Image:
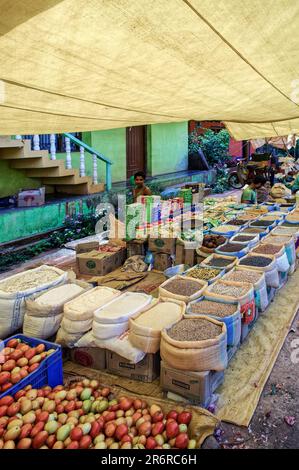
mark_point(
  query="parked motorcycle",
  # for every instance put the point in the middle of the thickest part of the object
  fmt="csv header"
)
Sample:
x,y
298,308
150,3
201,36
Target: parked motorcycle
x,y
246,171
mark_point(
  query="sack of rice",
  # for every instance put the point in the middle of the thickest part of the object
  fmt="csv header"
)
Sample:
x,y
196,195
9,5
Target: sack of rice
x,y
65,339
14,290
113,318
41,327
197,343
145,327
182,288
84,306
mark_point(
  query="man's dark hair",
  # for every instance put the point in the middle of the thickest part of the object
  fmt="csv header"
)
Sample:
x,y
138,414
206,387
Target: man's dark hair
x,y
139,173
259,179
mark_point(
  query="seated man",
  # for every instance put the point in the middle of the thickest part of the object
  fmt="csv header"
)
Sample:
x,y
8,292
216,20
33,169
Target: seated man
x,y
263,193
249,195
141,189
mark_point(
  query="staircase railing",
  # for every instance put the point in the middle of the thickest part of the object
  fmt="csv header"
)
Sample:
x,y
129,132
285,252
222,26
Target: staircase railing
x,y
71,141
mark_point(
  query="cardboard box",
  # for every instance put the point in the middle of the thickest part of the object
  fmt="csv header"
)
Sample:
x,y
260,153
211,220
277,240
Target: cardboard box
x,y
146,370
190,257
179,254
197,386
162,261
162,245
86,247
95,358
31,197
96,263
136,247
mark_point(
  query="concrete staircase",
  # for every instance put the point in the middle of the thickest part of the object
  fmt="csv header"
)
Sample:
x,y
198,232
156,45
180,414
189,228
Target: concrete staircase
x,y
52,173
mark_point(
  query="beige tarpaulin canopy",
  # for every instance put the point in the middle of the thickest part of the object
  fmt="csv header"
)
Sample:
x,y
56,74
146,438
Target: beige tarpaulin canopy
x,y
75,65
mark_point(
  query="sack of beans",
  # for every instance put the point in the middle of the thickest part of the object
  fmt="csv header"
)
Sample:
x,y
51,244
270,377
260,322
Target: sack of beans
x,y
265,263
238,292
257,278
287,241
249,239
226,230
233,249
220,261
182,288
197,343
205,273
226,312
145,327
278,250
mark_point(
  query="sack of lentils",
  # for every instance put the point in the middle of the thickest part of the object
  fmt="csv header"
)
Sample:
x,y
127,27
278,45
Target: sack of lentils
x,y
235,249
229,313
197,343
287,241
265,263
238,292
182,288
205,273
220,261
278,251
257,278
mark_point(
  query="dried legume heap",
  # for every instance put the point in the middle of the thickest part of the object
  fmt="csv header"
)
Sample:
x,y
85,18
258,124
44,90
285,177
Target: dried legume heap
x,y
194,330
232,291
182,287
232,247
268,249
209,307
244,276
221,262
203,273
29,280
259,261
225,228
252,230
244,238
262,223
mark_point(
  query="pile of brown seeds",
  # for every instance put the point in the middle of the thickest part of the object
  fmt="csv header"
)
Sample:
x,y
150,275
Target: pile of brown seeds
x,y
258,261
232,247
182,287
244,276
244,238
220,262
194,330
252,230
208,307
268,249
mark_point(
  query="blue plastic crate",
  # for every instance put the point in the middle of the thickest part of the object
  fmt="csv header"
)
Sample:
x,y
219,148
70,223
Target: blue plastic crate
x,y
50,371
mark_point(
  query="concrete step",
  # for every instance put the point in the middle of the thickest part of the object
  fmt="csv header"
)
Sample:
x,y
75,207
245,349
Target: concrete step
x,y
36,162
81,189
7,142
66,180
50,172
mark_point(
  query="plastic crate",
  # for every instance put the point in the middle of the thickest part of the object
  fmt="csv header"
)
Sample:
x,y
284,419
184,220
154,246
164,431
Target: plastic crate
x,y
50,371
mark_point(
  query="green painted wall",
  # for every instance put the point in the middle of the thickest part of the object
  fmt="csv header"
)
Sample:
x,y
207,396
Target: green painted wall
x,y
11,180
167,148
112,144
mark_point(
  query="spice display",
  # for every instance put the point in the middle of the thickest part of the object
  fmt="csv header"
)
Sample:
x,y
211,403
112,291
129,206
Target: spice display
x,y
208,307
268,249
212,241
252,230
232,247
203,273
29,280
220,262
194,330
259,261
261,223
243,238
182,287
225,229
243,275
225,289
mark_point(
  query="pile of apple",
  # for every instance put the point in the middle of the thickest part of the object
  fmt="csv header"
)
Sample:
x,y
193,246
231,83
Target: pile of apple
x,y
85,416
17,360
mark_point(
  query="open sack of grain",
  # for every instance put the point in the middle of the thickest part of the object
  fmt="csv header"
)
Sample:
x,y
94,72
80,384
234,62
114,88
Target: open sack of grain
x,y
197,343
14,291
257,278
182,288
289,243
265,263
220,261
44,311
226,312
113,318
145,327
236,292
78,314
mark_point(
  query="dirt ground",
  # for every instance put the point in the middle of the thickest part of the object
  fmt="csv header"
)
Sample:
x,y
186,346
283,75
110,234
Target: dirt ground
x,y
279,404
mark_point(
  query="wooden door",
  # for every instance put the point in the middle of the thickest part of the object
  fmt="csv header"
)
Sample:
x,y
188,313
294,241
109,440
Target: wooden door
x,y
136,149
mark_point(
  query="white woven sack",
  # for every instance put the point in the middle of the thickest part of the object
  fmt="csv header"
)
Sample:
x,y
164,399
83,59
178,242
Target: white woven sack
x,y
283,263
76,327
41,327
12,304
120,309
110,330
66,339
84,306
121,346
86,341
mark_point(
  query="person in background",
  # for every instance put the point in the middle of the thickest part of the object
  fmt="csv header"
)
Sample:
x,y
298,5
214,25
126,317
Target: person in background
x,y
140,188
249,195
263,193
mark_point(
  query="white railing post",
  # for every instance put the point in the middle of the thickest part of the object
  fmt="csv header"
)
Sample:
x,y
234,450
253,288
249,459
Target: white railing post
x,y
53,146
18,137
36,142
82,161
68,162
95,169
